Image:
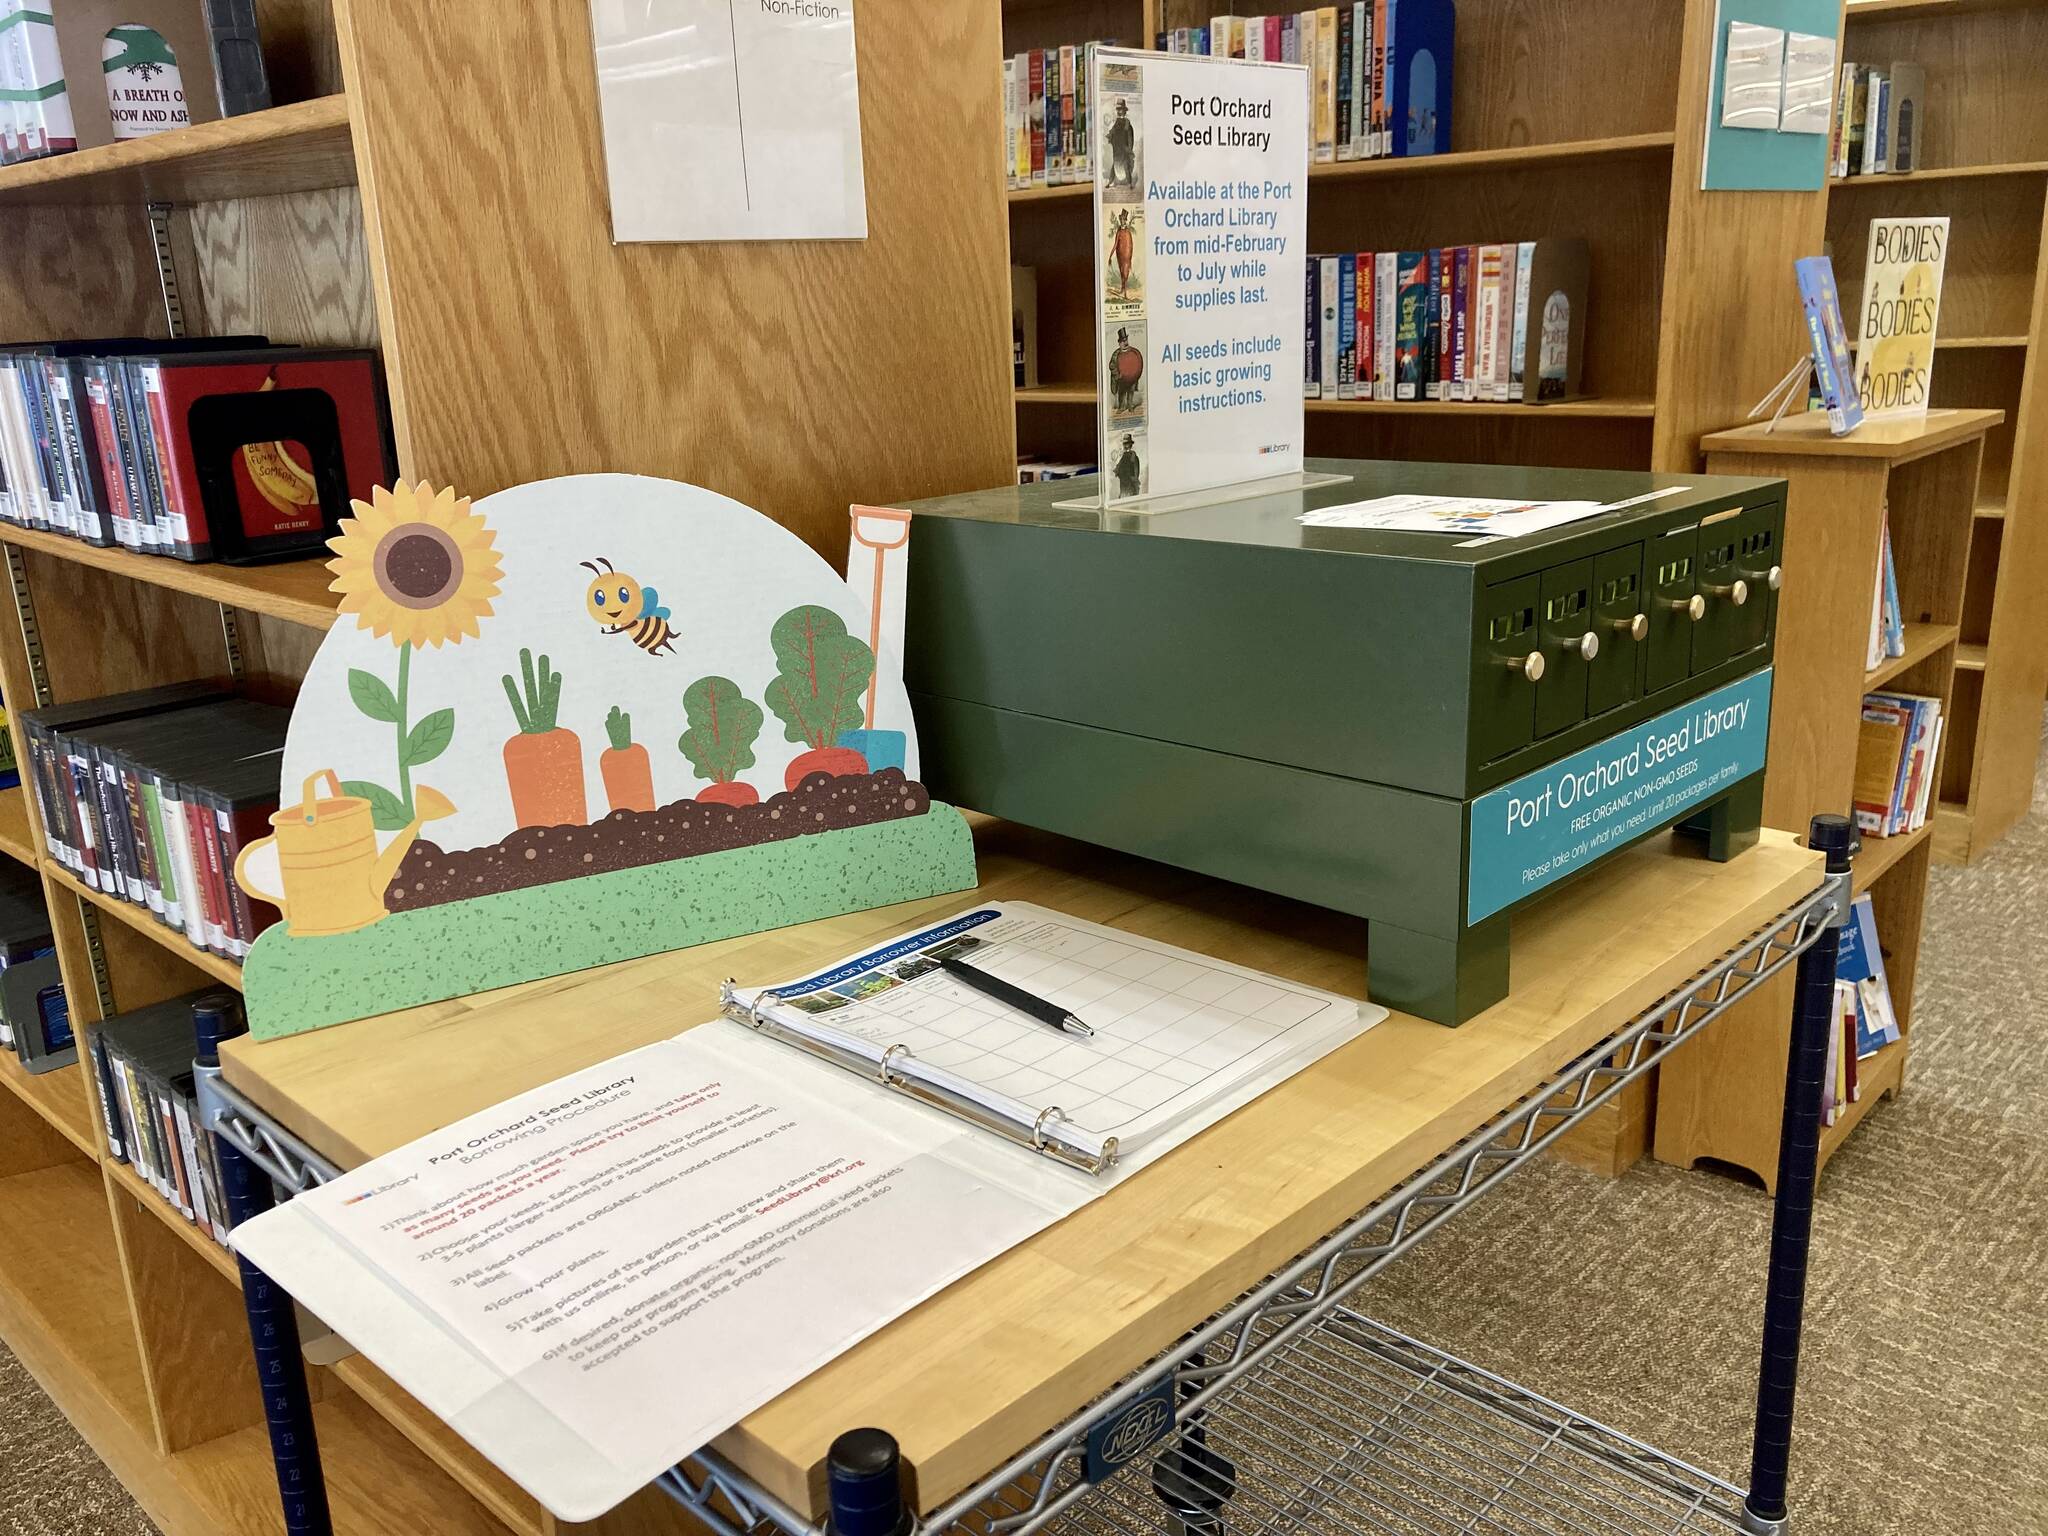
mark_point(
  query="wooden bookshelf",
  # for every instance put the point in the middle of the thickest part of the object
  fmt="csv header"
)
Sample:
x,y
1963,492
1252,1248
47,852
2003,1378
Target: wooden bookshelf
x,y
17,841
1617,130
58,1098
303,147
1986,167
139,919
1917,476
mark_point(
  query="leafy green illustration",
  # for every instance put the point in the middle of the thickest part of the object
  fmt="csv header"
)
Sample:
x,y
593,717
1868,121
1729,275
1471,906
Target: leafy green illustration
x,y
429,739
618,729
535,710
387,811
372,695
823,670
724,725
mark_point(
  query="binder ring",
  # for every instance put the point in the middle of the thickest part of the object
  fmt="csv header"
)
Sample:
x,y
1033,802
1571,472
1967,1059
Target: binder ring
x,y
888,1056
1051,1111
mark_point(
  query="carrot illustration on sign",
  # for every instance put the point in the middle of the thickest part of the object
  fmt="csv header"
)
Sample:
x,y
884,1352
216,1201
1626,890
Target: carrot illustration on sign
x,y
628,775
823,671
724,725
544,762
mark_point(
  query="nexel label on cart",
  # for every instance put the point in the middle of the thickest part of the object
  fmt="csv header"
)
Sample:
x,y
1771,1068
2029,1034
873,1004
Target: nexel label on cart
x,y
1558,819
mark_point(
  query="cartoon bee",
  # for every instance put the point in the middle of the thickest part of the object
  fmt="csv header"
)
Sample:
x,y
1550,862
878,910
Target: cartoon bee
x,y
622,606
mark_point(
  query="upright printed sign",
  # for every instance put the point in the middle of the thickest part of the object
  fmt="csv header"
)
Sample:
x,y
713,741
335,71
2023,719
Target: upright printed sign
x,y
1200,215
1900,315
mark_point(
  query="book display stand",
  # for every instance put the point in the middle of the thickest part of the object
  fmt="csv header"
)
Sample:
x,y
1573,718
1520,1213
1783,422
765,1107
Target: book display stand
x,y
1919,476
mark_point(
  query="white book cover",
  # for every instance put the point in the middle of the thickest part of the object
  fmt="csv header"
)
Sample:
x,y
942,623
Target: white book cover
x,y
1361,78
1900,314
1383,325
1327,299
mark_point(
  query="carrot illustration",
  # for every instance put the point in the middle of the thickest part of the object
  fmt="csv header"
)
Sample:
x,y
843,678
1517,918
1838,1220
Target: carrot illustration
x,y
544,762
628,775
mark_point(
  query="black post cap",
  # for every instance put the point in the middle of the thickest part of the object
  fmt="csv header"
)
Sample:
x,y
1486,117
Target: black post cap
x,y
216,1017
1834,836
863,1473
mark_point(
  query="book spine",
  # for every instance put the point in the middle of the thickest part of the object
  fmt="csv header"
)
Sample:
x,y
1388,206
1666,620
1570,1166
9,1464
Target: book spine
x,y
174,1160
1328,293
1366,353
241,921
184,865
1385,326
1347,328
1311,309
1361,80
1055,144
206,864
1070,160
64,445
188,1162
92,843
1445,263
142,885
1036,63
107,443
1518,340
1488,323
1326,85
1346,41
103,1085
1461,324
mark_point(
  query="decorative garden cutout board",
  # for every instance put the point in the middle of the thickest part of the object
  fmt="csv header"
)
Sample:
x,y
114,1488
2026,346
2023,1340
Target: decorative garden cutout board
x,y
581,721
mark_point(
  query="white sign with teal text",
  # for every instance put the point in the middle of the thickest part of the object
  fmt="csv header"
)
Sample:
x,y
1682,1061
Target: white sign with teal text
x,y
1560,818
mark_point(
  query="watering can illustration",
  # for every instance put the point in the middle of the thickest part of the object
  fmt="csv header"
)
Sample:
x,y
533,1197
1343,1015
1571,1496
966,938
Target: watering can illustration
x,y
333,876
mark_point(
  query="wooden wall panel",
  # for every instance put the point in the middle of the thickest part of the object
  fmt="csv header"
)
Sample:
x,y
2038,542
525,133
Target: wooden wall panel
x,y
1051,23
1987,288
294,268
74,273
104,634
1731,319
796,376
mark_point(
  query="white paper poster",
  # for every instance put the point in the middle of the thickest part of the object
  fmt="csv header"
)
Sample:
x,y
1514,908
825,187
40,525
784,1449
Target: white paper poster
x,y
730,119
1201,188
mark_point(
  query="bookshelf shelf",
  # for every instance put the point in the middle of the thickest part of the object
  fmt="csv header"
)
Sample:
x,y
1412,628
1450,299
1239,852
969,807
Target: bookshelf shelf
x,y
15,840
1626,408
1922,641
129,1182
1880,854
1631,146
1914,10
1972,658
58,1097
1876,1076
295,591
139,919
1977,343
1938,173
1991,508
304,147
64,1304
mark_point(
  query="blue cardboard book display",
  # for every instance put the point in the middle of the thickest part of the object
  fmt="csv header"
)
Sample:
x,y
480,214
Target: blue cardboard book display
x,y
581,721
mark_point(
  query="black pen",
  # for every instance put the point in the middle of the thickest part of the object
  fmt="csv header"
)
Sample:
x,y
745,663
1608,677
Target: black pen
x,y
1052,1015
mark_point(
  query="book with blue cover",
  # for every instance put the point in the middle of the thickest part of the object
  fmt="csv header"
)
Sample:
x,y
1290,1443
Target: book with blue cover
x,y
1420,66
1823,305
1860,961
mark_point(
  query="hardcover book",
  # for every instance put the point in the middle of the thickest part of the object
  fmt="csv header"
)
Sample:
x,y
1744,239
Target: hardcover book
x,y
1900,314
1423,37
1554,342
1830,343
1905,91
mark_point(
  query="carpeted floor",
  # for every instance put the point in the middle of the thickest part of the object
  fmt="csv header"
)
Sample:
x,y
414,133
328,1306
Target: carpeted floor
x,y
1923,1402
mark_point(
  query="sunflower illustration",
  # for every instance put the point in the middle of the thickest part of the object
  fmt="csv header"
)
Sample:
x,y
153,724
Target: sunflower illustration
x,y
416,566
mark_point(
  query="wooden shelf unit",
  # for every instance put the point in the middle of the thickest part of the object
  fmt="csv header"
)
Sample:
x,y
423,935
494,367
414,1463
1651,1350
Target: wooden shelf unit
x,y
1920,478
1986,152
1610,151
338,219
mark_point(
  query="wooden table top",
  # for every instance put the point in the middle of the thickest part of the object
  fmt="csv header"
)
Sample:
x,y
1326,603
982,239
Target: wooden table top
x,y
983,1368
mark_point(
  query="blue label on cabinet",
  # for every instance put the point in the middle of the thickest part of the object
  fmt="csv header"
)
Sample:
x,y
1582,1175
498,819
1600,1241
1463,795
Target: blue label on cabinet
x,y
1560,818
1143,1421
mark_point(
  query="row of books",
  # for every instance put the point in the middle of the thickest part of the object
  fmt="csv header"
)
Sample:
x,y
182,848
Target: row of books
x,y
151,796
35,1023
1880,120
1031,470
142,1069
1865,1020
225,446
1887,622
1466,322
1897,746
1368,97
1045,115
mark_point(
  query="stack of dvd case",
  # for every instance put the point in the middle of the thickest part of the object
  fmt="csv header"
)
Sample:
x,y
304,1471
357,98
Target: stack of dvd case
x,y
151,796
35,1025
142,1068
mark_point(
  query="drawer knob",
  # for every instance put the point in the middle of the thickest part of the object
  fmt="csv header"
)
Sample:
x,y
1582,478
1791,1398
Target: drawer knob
x,y
1737,591
1694,607
1776,576
1587,645
1530,666
1636,626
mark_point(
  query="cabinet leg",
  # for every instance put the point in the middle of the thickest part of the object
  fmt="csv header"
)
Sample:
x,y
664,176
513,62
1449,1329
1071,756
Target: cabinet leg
x,y
1730,825
1813,1014
1447,980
